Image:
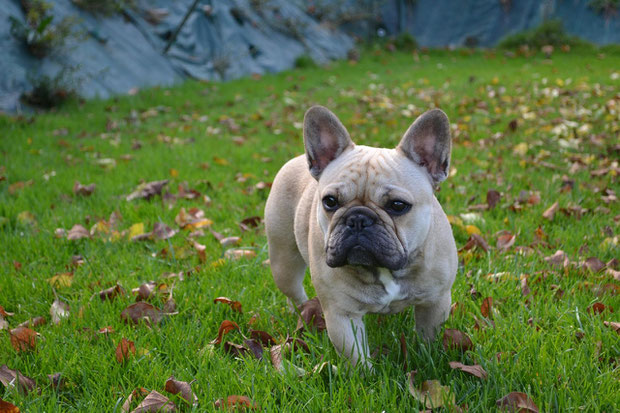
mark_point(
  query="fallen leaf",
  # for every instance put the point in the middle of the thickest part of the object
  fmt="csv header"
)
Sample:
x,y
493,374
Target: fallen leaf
x,y
477,241
162,231
125,350
141,311
61,280
183,388
225,327
505,241
517,402
9,377
594,264
613,324
550,212
235,305
485,308
192,219
263,337
23,339
431,393
598,308
110,293
255,347
250,222
155,402
493,198
57,380
558,259
140,391
236,402
236,254
84,190
311,315
236,350
6,407
58,311
145,291
77,232
34,322
277,352
453,338
475,370
147,190
230,241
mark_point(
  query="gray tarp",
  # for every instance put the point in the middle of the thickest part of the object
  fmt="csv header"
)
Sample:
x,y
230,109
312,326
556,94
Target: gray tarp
x,y
235,38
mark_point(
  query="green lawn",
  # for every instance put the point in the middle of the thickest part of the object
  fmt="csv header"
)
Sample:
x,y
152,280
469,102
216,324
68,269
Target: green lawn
x,y
537,131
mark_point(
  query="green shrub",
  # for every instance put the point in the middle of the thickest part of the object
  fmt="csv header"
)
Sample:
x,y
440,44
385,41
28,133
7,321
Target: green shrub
x,y
304,62
51,91
405,42
550,32
104,7
38,33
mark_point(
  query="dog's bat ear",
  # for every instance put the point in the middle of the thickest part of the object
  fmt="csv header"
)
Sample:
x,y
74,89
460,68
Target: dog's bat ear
x,y
427,142
325,138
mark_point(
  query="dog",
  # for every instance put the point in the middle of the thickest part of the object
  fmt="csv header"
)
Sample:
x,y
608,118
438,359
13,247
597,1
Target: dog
x,y
367,223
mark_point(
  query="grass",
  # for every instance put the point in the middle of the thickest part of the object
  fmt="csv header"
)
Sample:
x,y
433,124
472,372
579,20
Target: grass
x,y
185,137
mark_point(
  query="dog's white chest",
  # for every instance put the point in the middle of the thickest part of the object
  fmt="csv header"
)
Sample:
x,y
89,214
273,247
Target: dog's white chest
x,y
393,291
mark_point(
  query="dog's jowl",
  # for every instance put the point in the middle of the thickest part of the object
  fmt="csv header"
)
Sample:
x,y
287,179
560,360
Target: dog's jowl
x,y
367,223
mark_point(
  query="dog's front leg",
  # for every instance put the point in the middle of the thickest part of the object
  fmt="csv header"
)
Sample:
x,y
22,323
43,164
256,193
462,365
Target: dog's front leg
x,y
348,335
430,316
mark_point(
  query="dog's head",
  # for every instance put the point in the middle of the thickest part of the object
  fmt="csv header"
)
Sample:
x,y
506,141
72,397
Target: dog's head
x,y
375,204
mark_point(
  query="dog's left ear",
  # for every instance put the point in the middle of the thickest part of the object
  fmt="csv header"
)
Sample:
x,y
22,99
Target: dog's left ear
x,y
427,142
325,138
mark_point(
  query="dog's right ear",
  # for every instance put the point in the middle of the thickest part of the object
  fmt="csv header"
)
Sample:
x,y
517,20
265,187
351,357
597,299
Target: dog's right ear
x,y
325,138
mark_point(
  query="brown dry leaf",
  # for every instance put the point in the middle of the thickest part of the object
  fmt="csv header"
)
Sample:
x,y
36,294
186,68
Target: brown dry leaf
x,y
230,241
234,349
162,231
594,264
23,339
155,402
517,402
558,259
5,313
34,322
250,222
255,347
493,198
477,241
140,391
141,311
263,337
613,324
487,305
6,407
598,308
453,338
225,327
58,311
235,305
145,291
57,380
277,352
84,190
550,212
431,393
311,315
236,402
4,325
110,293
125,350
505,241
475,370
77,232
192,219
9,377
147,190
236,254
183,388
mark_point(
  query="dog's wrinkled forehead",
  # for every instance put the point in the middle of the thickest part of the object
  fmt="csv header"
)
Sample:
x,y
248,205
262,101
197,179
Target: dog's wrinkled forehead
x,y
367,173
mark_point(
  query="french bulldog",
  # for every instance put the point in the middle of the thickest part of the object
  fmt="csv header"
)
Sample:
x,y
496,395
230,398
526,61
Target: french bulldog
x,y
367,223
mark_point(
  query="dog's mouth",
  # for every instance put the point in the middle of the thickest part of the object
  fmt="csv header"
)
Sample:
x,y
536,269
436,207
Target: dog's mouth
x,y
361,253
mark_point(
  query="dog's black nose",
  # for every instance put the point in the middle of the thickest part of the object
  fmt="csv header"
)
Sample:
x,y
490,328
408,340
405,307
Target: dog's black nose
x,y
360,218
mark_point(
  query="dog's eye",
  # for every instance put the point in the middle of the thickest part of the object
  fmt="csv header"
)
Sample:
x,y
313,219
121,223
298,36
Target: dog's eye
x,y
398,207
330,203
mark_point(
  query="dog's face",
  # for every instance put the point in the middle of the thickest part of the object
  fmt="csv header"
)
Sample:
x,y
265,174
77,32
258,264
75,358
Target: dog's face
x,y
375,203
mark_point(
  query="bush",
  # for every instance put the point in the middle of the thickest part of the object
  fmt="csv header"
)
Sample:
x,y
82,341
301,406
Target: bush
x,y
549,33
104,7
51,91
304,62
38,33
405,42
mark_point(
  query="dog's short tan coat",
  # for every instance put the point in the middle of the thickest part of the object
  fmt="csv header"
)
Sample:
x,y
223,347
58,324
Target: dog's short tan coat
x,y
365,255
